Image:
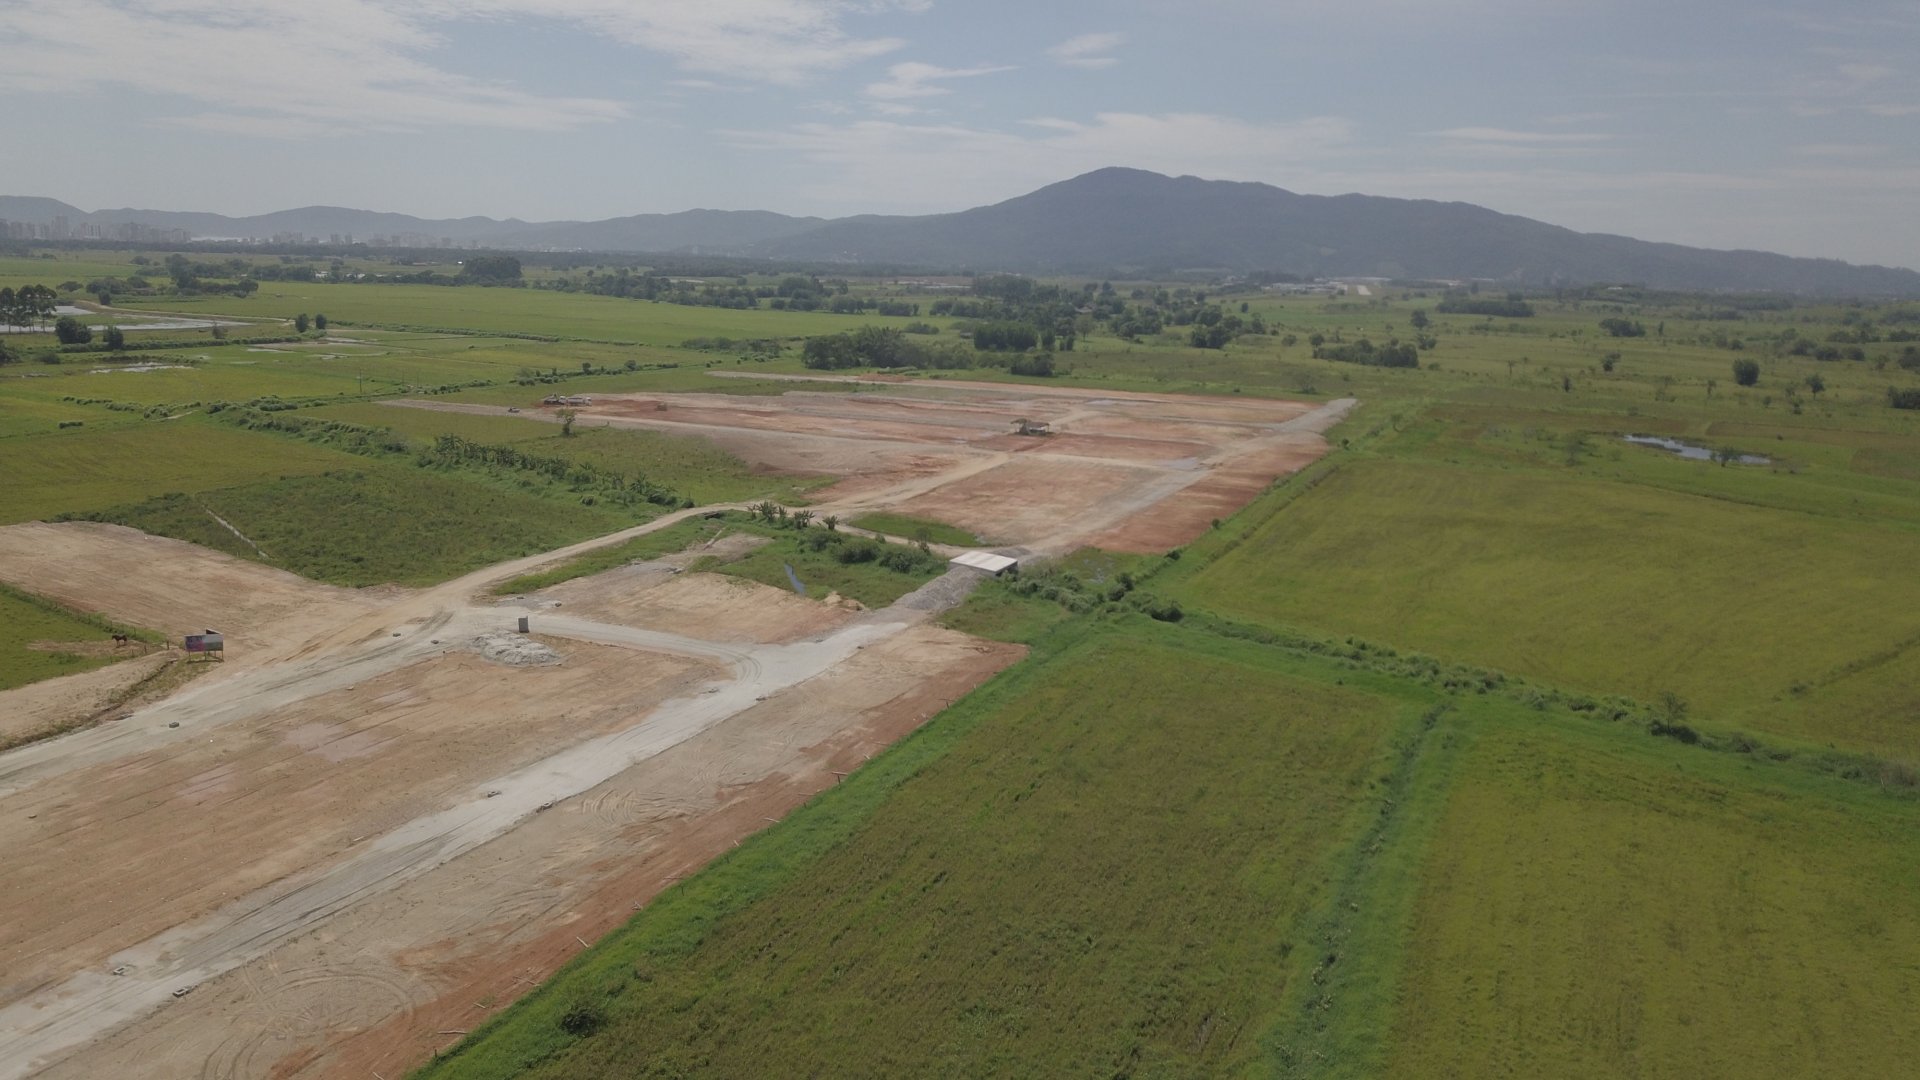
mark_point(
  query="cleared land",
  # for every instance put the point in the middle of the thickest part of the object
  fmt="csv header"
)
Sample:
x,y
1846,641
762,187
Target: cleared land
x,y
1132,472
363,760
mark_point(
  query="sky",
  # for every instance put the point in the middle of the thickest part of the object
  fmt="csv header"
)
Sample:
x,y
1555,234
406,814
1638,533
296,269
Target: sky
x,y
1791,127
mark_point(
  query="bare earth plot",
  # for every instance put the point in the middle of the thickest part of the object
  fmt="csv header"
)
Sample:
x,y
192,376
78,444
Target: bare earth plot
x,y
386,808
1127,471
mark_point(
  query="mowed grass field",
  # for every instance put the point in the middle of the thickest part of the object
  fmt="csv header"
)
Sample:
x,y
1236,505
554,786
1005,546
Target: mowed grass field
x,y
1101,864
1594,906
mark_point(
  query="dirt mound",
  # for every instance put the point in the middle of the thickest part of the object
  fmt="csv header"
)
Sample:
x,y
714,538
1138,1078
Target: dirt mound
x,y
514,650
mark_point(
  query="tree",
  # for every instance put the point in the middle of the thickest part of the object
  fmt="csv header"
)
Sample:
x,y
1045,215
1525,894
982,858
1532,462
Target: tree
x,y
1746,372
1419,319
320,323
30,305
1608,361
116,338
567,417
491,270
1815,383
300,323
7,356
72,331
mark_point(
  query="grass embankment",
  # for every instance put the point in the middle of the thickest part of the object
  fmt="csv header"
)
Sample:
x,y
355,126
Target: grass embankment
x,y
27,621
1100,864
679,536
914,528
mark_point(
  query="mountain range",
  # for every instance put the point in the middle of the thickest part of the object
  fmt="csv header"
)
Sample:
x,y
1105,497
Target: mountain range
x,y
1111,222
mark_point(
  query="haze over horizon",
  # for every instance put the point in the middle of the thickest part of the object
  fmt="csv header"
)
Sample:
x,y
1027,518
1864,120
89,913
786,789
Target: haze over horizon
x,y
1784,128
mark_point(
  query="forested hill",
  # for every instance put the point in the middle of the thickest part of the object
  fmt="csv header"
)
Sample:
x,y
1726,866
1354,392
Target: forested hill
x,y
1112,222
1119,219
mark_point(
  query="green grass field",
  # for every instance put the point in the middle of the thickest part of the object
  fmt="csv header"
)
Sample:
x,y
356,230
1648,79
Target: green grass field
x,y
371,524
1593,906
82,469
1761,618
1075,873
32,631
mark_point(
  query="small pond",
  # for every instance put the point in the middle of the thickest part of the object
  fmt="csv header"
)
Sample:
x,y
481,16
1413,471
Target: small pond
x,y
1690,451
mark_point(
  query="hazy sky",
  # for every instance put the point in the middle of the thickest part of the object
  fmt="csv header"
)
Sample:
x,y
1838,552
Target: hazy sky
x,y
1793,127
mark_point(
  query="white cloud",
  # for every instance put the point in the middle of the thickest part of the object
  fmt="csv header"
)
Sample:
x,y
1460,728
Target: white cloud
x,y
1088,50
1520,138
303,67
778,41
917,80
1840,150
